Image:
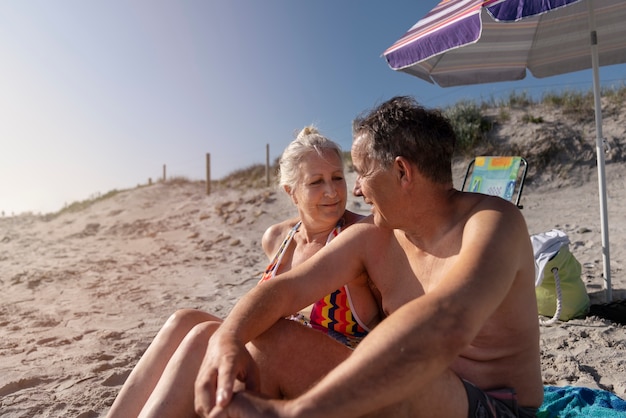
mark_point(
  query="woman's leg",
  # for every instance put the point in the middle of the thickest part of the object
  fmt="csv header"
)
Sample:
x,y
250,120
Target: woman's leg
x,y
291,357
146,374
173,395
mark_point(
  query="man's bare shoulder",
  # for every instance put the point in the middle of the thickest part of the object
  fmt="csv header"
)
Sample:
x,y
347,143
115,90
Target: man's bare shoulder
x,y
495,228
492,209
365,225
485,201
367,241
362,236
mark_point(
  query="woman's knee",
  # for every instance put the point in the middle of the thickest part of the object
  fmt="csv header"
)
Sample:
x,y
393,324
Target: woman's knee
x,y
183,320
198,337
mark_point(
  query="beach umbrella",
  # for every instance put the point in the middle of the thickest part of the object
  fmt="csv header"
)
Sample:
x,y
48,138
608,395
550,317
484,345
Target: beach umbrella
x,y
463,42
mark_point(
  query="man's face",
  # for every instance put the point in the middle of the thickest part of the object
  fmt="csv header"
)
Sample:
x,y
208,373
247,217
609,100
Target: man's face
x,y
373,182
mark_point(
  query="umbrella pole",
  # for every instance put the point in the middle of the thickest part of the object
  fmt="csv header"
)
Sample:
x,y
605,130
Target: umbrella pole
x,y
606,259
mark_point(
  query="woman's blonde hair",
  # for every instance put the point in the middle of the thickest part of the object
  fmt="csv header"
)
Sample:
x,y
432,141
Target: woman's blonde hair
x,y
308,140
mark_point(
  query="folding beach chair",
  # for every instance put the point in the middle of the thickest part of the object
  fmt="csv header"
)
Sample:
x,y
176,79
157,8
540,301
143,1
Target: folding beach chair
x,y
497,176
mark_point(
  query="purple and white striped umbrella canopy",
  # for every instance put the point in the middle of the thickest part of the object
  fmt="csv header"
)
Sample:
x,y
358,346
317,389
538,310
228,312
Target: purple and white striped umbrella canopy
x,y
464,42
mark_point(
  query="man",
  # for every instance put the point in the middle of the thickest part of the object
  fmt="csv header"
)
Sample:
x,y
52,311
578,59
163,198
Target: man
x,y
455,273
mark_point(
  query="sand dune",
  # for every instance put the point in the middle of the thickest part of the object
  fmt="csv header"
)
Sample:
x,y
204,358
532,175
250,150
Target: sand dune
x,y
84,293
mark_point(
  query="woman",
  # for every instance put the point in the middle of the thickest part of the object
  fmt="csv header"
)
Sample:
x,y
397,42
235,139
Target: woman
x,y
311,173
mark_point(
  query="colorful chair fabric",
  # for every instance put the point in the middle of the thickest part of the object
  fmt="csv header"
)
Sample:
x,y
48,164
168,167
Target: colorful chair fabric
x,y
497,176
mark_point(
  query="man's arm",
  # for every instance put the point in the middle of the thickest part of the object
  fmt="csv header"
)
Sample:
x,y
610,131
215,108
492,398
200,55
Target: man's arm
x,y
339,262
332,267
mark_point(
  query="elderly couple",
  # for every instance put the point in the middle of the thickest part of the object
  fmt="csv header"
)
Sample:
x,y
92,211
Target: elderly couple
x,y
420,310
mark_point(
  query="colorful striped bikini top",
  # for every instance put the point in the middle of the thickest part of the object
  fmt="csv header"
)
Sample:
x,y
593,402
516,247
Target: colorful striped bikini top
x,y
332,314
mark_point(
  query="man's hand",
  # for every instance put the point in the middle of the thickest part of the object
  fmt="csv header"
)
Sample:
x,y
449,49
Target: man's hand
x,y
247,405
225,361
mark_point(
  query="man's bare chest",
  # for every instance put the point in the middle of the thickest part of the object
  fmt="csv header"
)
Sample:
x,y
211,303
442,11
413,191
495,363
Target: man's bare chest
x,y
402,276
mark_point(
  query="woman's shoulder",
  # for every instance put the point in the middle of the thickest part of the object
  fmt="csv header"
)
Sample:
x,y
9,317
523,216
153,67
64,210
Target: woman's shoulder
x,y
274,235
352,218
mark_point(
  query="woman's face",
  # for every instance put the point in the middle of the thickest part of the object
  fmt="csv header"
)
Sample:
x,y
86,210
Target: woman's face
x,y
321,191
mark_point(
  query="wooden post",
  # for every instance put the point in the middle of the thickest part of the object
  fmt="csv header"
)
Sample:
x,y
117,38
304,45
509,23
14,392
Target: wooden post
x,y
208,173
164,176
267,165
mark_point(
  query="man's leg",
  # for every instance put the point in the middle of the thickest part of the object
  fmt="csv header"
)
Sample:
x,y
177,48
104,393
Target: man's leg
x,y
292,357
443,397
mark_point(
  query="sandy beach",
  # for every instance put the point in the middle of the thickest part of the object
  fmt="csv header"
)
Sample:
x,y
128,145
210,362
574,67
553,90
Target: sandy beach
x,y
84,293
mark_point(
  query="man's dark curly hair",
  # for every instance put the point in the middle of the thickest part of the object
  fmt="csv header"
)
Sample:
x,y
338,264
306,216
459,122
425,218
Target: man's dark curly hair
x,y
402,127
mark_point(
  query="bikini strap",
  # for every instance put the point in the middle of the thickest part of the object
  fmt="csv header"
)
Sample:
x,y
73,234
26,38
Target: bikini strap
x,y
336,230
270,271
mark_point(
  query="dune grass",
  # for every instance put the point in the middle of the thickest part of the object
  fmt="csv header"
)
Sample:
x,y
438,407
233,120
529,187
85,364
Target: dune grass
x,y
472,126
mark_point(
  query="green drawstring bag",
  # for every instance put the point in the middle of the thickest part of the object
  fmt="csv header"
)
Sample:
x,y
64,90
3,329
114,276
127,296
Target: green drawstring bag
x,y
561,293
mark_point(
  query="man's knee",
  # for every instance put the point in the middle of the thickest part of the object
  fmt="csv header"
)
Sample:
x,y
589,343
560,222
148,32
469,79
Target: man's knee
x,y
287,335
274,340
291,357
444,396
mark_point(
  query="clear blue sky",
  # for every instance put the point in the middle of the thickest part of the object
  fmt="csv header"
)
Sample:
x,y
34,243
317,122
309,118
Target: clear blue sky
x,y
98,95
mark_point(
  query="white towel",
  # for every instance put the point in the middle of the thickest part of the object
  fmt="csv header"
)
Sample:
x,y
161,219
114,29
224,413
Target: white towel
x,y
545,246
